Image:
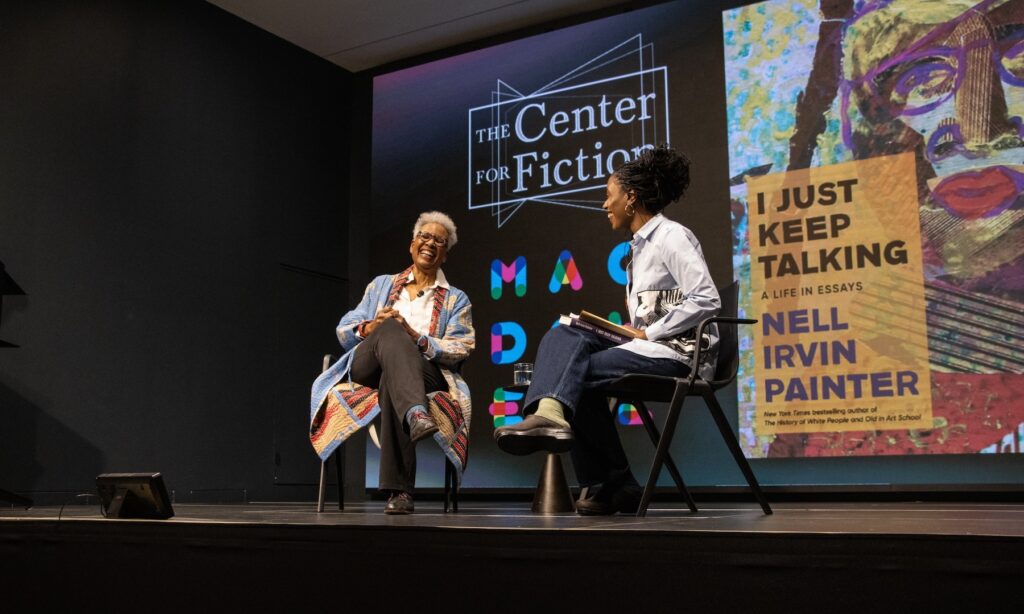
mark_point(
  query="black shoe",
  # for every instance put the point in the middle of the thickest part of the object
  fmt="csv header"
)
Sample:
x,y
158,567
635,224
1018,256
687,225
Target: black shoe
x,y
533,435
421,427
400,502
611,498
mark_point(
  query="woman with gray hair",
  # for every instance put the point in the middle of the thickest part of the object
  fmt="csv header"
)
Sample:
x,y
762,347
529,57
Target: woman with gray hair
x,y
404,344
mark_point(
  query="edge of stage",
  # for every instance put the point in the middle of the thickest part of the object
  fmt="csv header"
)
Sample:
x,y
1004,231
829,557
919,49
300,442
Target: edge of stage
x,y
500,556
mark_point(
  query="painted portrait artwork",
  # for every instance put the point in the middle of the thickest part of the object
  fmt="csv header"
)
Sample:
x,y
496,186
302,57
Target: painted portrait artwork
x,y
812,84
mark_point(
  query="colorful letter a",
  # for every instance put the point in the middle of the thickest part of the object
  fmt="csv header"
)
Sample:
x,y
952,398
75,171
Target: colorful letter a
x,y
565,273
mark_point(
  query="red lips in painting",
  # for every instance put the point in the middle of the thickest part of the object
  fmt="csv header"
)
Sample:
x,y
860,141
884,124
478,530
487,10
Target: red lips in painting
x,y
972,195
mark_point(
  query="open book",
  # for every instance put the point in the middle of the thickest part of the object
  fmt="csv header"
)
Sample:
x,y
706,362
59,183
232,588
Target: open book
x,y
599,326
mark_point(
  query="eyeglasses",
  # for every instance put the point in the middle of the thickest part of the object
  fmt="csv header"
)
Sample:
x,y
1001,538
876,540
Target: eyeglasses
x,y
426,237
930,72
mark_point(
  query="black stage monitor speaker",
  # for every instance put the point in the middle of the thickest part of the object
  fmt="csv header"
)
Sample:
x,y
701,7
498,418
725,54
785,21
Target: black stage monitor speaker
x,y
133,495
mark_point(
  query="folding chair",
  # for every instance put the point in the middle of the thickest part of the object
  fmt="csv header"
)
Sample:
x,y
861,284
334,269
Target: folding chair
x,y
451,485
638,389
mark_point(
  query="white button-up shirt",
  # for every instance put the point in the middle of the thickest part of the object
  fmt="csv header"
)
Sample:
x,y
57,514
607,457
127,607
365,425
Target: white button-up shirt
x,y
669,291
418,310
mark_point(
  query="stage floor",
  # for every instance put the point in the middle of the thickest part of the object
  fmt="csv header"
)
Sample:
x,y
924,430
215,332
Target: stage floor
x,y
835,557
922,519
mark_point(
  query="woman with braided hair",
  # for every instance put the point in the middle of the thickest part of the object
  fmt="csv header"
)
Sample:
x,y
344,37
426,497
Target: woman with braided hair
x,y
668,292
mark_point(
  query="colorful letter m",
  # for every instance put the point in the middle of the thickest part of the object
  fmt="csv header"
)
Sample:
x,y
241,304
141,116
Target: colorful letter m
x,y
501,273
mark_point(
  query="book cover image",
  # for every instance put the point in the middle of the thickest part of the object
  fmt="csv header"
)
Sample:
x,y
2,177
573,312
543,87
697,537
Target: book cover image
x,y
819,95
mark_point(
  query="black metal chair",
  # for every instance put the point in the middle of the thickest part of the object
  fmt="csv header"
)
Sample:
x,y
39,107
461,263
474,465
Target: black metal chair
x,y
451,484
636,388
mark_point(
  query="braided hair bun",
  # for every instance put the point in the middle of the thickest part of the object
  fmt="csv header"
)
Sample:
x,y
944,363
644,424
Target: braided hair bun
x,y
658,177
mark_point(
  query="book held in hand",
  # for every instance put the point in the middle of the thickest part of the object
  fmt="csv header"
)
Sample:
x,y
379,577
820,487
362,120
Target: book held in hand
x,y
599,326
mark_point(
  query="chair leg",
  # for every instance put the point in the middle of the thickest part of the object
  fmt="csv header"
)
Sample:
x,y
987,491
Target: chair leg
x,y
447,485
451,487
339,464
663,443
455,491
322,494
652,432
734,446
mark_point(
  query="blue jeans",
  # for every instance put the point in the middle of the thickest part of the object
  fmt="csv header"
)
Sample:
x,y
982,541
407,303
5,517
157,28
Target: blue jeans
x,y
570,365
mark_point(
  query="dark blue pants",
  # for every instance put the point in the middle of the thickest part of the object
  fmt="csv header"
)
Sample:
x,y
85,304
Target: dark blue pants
x,y
570,367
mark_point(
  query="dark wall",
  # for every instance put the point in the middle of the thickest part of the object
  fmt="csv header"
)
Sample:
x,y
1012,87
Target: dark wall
x,y
173,199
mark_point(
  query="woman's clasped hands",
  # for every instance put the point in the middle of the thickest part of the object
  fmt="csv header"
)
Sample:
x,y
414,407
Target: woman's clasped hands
x,y
389,313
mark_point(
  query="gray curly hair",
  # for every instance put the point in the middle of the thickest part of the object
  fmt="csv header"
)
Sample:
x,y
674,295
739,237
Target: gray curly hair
x,y
436,217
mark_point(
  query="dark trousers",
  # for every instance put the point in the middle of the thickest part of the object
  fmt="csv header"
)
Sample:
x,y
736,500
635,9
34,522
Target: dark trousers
x,y
571,365
389,361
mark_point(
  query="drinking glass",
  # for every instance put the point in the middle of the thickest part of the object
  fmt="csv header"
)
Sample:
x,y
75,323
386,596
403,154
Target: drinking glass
x,y
522,373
